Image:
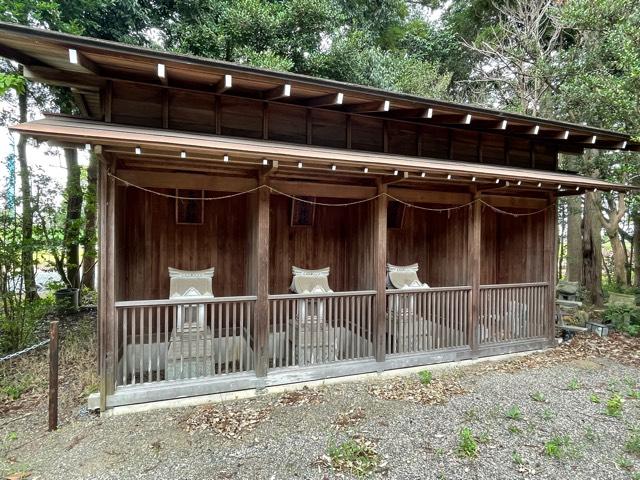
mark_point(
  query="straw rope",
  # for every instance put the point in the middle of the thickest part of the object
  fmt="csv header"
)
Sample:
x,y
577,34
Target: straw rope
x,y
325,204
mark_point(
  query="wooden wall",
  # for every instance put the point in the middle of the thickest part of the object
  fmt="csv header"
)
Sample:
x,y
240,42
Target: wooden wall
x,y
227,115
512,248
150,241
437,241
340,238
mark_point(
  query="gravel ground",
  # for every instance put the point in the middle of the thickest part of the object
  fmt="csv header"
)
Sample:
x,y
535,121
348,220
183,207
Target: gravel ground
x,y
414,440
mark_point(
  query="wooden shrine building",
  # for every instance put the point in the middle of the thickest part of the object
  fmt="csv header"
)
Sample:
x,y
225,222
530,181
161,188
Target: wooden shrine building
x,y
422,231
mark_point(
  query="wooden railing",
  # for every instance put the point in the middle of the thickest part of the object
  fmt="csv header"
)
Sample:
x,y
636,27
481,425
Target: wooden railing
x,y
512,312
320,329
420,320
176,339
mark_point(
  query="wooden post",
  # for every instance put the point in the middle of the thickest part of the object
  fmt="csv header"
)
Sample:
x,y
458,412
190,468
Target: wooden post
x,y
53,376
106,294
474,269
380,271
550,225
261,343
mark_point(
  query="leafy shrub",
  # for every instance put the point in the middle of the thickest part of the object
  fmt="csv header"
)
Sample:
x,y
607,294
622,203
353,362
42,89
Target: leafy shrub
x,y
425,377
514,413
615,314
467,444
19,324
356,456
614,405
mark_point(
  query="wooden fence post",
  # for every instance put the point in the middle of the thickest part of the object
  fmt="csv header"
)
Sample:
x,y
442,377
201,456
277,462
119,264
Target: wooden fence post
x,y
380,271
550,239
262,278
474,269
53,376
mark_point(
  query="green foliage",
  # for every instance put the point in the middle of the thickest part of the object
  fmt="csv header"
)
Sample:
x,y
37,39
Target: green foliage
x,y
594,398
538,397
11,81
356,456
574,384
514,413
467,443
558,447
623,318
517,458
632,445
624,463
614,405
425,377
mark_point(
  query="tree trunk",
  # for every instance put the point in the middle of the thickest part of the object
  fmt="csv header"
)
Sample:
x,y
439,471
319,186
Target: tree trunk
x,y
89,239
611,227
73,220
592,251
27,261
574,239
636,249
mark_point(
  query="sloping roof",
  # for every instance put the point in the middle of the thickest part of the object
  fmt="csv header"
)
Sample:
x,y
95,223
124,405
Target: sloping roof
x,y
162,145
86,63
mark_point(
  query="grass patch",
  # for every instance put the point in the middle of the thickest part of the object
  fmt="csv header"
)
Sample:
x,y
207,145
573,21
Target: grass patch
x,y
624,463
548,414
573,384
514,413
595,398
632,445
517,458
560,447
514,429
425,377
467,443
614,406
538,397
356,456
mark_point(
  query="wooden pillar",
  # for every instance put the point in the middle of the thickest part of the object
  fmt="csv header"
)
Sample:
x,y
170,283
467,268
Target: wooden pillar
x,y
380,271
474,269
106,293
261,340
550,226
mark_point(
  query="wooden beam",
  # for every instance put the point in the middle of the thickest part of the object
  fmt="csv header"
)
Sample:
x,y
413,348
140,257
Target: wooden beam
x,y
64,79
276,93
81,103
226,83
268,170
396,178
410,113
187,181
20,57
328,190
325,100
379,271
429,196
76,57
455,119
506,201
368,107
474,269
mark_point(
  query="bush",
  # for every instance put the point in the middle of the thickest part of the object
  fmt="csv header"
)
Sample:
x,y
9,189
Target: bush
x,y
467,444
18,328
425,377
623,318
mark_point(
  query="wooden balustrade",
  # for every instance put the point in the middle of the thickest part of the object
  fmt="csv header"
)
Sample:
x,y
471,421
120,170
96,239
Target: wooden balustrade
x,y
420,320
512,312
160,340
319,329
177,339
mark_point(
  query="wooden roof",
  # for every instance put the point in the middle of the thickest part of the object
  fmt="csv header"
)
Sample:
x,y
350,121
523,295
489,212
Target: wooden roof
x,y
176,148
85,64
